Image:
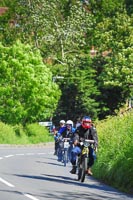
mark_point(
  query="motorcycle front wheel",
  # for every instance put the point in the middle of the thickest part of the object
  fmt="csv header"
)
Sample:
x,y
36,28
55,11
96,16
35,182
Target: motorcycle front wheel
x,y
83,169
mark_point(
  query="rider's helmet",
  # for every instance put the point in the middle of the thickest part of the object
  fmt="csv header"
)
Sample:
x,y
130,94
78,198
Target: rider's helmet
x,y
69,123
86,122
62,122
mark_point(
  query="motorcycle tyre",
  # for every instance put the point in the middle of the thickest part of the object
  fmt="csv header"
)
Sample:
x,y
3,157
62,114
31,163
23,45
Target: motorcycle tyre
x,y
84,169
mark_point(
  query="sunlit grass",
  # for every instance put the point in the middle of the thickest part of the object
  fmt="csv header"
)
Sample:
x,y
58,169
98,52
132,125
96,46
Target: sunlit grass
x,y
31,134
115,153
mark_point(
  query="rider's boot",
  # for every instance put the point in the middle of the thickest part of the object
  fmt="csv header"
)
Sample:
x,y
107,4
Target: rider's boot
x,y
55,153
73,171
90,172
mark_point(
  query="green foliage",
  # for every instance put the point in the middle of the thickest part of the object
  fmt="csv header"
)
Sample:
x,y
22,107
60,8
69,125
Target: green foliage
x,y
115,155
113,37
103,8
37,133
64,31
80,91
21,136
7,134
26,88
31,134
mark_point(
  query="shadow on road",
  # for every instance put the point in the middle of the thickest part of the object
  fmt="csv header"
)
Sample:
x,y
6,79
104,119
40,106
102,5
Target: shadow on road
x,y
51,163
67,180
61,195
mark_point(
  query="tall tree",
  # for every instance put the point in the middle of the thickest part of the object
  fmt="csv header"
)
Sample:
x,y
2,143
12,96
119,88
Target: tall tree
x,y
27,91
113,38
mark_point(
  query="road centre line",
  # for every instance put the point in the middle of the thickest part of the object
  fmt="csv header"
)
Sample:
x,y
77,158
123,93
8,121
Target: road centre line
x,y
11,185
7,183
22,154
41,153
31,197
8,156
19,154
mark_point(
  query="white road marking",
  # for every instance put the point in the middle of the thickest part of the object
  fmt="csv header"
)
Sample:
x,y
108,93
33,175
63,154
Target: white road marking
x,y
11,185
8,156
41,153
22,154
7,183
19,154
30,196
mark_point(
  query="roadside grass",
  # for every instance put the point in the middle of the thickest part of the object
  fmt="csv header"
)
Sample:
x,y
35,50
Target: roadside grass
x,y
31,134
37,133
7,134
114,164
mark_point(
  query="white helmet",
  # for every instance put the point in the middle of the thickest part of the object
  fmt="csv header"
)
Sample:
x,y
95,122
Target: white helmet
x,y
69,122
62,121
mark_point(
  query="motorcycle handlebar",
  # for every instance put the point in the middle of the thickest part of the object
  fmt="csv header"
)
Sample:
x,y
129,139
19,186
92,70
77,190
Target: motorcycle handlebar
x,y
90,141
86,140
66,139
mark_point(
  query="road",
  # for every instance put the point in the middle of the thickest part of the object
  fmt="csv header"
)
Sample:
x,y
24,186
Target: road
x,y
33,173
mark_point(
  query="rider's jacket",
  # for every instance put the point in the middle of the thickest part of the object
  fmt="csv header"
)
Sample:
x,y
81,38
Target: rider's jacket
x,y
68,133
90,133
60,131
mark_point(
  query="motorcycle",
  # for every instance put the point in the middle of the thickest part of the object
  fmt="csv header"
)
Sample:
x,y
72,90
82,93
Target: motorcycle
x,y
82,162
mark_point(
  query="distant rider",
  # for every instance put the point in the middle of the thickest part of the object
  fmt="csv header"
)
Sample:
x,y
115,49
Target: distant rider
x,y
57,133
85,131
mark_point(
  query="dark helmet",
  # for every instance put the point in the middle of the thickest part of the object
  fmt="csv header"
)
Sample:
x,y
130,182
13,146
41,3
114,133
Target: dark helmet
x,y
86,122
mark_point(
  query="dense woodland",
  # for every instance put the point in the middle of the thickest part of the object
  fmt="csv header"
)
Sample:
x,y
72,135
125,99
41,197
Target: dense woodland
x,y
65,59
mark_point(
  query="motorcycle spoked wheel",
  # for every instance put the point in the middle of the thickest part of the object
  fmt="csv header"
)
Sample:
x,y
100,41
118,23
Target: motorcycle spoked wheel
x,y
79,169
83,168
79,173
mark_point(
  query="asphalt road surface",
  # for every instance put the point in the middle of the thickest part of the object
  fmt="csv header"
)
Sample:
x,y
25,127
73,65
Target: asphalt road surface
x,y
33,173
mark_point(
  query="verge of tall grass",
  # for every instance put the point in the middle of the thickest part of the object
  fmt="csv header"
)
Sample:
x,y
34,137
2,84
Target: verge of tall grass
x,y
114,164
31,134
38,134
7,134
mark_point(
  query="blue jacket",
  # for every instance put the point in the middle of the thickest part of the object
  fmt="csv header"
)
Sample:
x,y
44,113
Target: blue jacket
x,y
60,131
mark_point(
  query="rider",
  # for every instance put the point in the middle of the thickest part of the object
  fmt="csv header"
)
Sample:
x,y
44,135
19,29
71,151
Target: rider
x,y
57,133
85,131
68,132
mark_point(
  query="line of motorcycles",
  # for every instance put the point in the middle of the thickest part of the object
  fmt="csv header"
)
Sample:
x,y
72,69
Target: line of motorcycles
x,y
64,155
